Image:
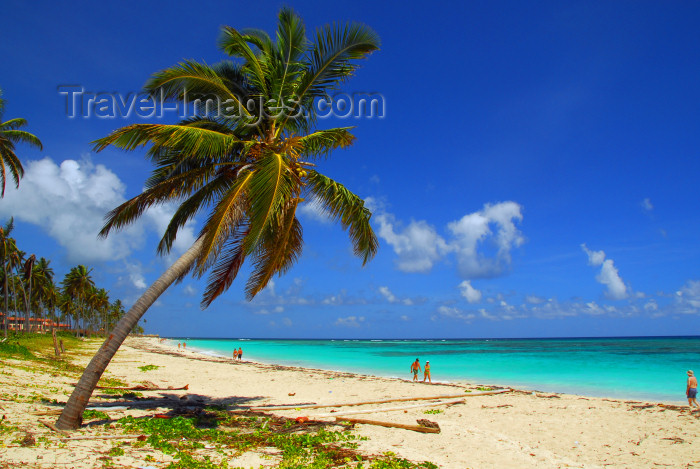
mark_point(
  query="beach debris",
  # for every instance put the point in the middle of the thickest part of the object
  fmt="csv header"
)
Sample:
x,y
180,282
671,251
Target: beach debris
x,y
292,394
428,423
146,386
53,427
415,428
380,401
302,419
105,437
675,440
388,409
548,396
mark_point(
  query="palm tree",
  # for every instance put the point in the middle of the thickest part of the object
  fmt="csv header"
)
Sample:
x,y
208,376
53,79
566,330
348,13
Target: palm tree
x,y
7,245
9,136
28,269
77,286
250,172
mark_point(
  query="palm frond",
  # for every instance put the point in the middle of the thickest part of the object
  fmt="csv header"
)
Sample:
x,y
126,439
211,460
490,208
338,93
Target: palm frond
x,y
347,208
185,139
322,142
236,44
13,124
332,60
189,80
281,249
270,188
224,218
227,267
171,189
22,136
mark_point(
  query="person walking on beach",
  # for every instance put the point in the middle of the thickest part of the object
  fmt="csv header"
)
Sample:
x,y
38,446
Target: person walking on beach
x,y
426,373
691,390
235,354
415,368
240,354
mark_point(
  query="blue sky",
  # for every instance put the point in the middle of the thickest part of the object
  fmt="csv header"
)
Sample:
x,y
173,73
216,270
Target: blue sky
x,y
535,172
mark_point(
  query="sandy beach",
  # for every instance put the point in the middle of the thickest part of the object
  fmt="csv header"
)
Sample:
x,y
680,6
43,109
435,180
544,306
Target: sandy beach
x,y
512,429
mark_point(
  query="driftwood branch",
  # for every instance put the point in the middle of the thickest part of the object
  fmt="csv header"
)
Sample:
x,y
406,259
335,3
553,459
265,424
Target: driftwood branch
x,y
388,409
380,401
415,428
100,437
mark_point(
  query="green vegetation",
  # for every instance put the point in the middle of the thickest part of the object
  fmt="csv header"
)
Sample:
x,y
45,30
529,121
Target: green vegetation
x,y
210,438
484,388
432,411
148,368
30,300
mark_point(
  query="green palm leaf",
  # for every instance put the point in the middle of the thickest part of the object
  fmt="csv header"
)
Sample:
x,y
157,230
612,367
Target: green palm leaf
x,y
347,208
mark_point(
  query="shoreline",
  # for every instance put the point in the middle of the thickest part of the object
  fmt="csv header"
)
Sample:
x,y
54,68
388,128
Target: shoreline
x,y
519,428
524,387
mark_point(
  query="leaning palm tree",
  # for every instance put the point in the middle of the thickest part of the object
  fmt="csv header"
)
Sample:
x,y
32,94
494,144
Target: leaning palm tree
x,y
249,167
10,134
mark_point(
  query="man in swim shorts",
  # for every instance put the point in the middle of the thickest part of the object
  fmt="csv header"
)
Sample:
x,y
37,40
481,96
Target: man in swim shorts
x,y
691,390
415,368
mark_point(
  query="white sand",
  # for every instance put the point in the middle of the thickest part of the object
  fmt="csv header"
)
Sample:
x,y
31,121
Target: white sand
x,y
514,429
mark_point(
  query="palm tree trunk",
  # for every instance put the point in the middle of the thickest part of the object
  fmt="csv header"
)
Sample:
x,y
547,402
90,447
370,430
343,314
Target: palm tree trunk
x,y
7,299
72,414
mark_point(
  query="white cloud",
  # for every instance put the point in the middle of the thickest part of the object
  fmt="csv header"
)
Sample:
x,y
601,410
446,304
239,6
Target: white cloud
x,y
471,294
391,298
189,290
69,202
608,276
419,247
135,276
647,205
350,321
474,229
688,297
404,318
451,312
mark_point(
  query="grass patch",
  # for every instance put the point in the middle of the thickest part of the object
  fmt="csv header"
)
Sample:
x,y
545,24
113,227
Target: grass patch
x,y
145,368
432,411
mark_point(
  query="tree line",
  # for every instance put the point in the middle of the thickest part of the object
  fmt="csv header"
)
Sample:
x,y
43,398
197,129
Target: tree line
x,y
31,291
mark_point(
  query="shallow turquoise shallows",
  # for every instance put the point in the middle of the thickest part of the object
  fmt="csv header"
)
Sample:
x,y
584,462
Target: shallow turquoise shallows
x,y
628,368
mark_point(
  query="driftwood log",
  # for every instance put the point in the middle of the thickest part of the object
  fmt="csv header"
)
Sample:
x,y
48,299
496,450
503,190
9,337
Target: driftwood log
x,y
380,401
415,428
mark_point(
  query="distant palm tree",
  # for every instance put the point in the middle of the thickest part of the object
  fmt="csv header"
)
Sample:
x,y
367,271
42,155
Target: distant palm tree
x,y
7,245
77,285
250,171
9,136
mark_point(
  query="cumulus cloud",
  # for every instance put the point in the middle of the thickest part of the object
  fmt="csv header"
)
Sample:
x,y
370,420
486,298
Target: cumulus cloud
x,y
471,294
69,202
350,321
481,241
608,275
450,312
495,223
688,297
391,298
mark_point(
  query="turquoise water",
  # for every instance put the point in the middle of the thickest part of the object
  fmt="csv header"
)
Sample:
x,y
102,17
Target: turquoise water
x,y
628,368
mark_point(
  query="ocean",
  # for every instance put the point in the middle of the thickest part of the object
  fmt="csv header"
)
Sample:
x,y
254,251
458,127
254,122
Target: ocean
x,y
649,368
